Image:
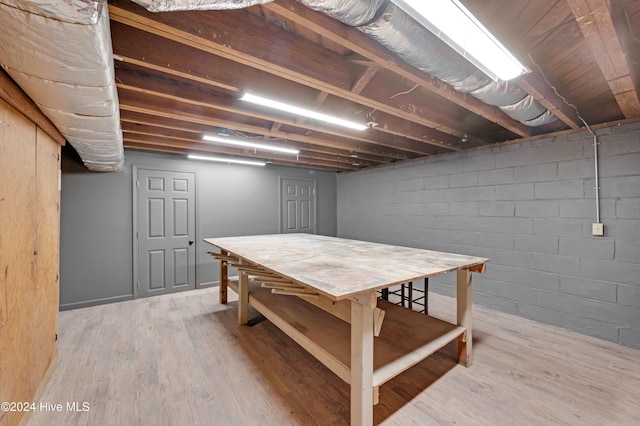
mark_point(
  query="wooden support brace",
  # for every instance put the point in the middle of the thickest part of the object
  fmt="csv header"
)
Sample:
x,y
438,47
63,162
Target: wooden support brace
x,y
295,292
378,318
284,286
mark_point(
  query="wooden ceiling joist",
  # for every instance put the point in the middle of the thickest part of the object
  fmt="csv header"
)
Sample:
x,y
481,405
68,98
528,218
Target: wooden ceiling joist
x,y
220,34
596,23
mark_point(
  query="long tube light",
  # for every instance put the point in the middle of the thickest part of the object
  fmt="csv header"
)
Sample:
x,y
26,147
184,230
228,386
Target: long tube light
x,y
255,145
450,21
281,106
226,160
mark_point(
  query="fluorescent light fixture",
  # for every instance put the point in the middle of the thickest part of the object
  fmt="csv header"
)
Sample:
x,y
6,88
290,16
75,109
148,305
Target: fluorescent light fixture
x,y
236,142
456,26
226,160
281,106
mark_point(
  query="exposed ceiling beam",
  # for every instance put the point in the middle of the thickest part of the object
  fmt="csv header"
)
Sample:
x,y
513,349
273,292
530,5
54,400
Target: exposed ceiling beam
x,y
131,46
136,119
190,95
169,108
361,44
152,146
220,34
596,23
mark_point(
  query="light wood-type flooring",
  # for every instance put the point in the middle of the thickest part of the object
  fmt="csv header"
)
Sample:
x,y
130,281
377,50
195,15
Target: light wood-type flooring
x,y
183,360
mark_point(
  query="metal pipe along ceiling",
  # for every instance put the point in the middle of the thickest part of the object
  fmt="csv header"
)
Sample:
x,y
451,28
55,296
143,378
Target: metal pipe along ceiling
x,y
394,29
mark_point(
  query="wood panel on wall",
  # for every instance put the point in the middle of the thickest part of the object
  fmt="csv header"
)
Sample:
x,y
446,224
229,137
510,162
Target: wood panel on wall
x,y
29,258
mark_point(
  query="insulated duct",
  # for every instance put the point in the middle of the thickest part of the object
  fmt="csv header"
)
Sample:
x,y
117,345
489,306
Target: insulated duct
x,y
59,53
401,34
176,5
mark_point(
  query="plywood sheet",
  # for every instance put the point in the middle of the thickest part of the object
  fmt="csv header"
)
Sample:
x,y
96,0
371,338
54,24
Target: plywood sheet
x,y
340,268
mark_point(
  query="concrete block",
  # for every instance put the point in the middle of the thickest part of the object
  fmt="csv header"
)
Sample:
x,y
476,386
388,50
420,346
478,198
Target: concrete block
x,y
538,313
536,173
523,191
537,243
619,272
614,313
496,208
433,196
630,337
629,295
576,169
413,209
431,209
495,240
510,258
436,182
628,208
408,185
619,165
405,197
565,265
496,177
537,209
516,156
479,161
481,193
561,189
591,289
627,251
460,180
557,227
464,209
538,279
445,289
594,248
495,302
559,151
626,186
516,292
599,329
513,225
616,144
586,209
621,229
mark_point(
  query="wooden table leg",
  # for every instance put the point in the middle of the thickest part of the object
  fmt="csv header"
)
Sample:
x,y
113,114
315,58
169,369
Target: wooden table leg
x,y
243,297
464,302
362,392
224,283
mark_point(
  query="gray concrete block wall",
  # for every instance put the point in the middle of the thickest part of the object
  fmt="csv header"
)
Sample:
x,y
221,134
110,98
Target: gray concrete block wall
x,y
529,207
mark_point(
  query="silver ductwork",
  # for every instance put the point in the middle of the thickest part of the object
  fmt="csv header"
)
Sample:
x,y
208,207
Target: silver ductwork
x,y
60,54
351,12
402,35
177,5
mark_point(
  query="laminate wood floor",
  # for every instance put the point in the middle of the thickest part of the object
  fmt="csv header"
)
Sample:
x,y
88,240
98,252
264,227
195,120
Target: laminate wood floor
x,y
183,360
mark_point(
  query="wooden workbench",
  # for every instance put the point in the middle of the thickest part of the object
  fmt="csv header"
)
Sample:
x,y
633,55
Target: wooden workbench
x,y
322,292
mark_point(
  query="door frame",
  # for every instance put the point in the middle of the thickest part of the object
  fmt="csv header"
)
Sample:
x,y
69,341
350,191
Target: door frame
x,y
134,178
315,200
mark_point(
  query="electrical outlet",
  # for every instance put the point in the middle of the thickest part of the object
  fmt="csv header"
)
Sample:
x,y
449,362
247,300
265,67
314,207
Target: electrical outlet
x,y
597,229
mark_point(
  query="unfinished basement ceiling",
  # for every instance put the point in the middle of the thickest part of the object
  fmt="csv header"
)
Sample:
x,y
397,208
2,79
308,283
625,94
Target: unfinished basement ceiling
x,y
179,74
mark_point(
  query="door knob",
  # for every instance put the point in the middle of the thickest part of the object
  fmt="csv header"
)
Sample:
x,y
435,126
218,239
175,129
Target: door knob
x,y
191,242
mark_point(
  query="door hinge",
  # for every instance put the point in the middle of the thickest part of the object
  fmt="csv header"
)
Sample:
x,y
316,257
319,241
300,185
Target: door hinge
x,y
137,235
137,183
56,339
138,284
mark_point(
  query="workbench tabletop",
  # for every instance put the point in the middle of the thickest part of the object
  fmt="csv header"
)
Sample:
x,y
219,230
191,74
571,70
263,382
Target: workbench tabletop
x,y
341,268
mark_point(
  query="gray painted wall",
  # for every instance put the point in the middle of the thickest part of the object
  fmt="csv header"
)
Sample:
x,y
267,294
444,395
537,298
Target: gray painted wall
x,y
529,207
96,245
